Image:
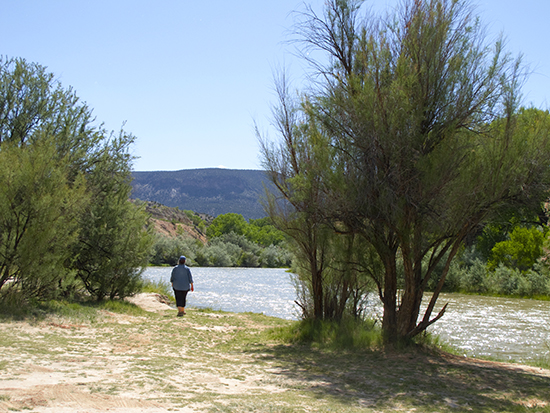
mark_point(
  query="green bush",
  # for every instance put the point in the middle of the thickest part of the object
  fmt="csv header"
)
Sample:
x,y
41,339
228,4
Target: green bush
x,y
64,188
240,240
512,281
220,255
38,220
539,278
248,259
275,257
159,287
167,250
262,232
225,224
226,250
473,278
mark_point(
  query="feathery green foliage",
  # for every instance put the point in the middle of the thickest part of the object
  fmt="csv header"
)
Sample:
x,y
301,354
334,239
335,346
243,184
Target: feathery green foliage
x,y
410,141
65,186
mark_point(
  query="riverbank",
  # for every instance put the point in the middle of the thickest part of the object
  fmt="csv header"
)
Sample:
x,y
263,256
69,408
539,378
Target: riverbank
x,y
144,359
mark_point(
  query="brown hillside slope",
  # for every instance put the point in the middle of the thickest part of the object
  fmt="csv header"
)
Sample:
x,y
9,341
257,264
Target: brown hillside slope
x,y
172,222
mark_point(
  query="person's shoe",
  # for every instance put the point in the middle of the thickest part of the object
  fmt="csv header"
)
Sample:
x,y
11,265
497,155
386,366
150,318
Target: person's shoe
x,y
180,314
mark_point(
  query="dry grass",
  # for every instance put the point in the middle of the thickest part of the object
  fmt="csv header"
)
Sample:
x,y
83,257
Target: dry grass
x,y
151,361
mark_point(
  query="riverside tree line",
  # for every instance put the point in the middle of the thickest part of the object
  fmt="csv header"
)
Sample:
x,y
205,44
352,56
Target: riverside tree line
x,y
407,166
232,242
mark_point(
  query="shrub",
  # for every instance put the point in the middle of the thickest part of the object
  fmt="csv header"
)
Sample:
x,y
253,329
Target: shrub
x,y
539,278
219,256
275,257
521,251
508,281
473,278
248,259
167,250
38,220
225,224
225,250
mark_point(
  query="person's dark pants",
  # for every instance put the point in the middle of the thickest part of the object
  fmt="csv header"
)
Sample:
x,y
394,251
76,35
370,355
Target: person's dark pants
x,y
181,297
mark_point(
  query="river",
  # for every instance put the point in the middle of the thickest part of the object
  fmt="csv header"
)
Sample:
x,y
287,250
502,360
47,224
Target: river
x,y
503,328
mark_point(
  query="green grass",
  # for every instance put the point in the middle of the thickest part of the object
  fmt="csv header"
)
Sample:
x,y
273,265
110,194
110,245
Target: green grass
x,y
159,287
543,360
82,310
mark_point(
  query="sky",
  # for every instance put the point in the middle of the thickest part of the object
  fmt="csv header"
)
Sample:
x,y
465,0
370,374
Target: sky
x,y
191,79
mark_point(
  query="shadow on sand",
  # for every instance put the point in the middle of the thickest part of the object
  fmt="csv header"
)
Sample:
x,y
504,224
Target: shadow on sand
x,y
416,379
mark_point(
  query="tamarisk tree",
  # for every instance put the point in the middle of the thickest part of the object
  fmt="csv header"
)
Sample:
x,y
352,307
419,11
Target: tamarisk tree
x,y
64,188
413,136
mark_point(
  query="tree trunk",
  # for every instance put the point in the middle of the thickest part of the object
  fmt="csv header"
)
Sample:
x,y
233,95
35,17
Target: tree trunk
x,y
389,299
317,286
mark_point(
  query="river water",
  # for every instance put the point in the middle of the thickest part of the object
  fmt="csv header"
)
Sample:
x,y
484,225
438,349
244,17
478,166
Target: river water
x,y
503,328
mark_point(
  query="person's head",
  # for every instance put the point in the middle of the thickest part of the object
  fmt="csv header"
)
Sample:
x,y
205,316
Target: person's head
x,y
182,260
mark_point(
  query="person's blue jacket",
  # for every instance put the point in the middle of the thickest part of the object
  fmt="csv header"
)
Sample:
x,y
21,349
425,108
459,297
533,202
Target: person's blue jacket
x,y
181,278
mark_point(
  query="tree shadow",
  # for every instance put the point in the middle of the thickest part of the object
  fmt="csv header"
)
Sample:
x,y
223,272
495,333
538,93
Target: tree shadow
x,y
414,378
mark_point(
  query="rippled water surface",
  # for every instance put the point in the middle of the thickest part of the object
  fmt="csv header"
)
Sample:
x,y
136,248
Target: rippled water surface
x,y
499,327
484,326
258,290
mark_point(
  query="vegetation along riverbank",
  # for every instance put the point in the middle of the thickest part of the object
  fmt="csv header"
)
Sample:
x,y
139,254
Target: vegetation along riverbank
x,y
136,356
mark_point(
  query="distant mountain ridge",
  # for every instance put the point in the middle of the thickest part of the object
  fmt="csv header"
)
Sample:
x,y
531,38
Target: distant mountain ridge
x,y
211,191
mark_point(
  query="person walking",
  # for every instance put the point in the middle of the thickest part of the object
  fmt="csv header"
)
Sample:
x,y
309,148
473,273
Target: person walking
x,y
182,282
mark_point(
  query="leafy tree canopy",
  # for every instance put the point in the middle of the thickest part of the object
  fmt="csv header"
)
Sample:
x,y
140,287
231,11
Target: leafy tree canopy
x,y
65,183
225,224
260,231
411,139
521,251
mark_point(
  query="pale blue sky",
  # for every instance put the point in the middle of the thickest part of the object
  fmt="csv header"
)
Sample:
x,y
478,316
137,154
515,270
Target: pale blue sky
x,y
189,78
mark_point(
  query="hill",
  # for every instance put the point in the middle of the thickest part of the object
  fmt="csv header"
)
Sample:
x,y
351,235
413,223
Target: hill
x,y
171,222
211,191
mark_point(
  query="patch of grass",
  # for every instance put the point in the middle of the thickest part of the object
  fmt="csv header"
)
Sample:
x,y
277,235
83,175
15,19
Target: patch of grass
x,y
250,405
543,360
208,310
159,287
348,334
119,306
432,341
81,310
88,310
70,310
38,311
13,309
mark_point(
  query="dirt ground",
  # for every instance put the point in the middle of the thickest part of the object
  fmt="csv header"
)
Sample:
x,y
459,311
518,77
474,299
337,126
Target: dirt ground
x,y
211,361
44,385
79,380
